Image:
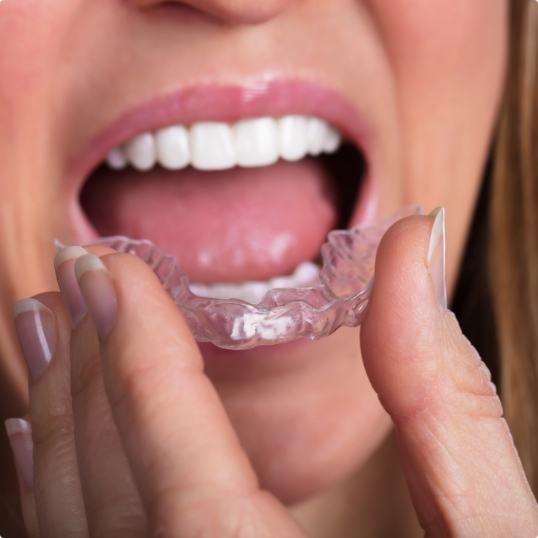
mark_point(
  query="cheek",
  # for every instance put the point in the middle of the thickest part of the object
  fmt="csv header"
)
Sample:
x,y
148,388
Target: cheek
x,y
447,60
455,37
34,55
28,70
28,29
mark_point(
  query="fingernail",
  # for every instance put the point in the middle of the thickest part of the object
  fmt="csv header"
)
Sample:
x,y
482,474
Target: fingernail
x,y
58,245
35,326
19,432
64,264
437,255
98,290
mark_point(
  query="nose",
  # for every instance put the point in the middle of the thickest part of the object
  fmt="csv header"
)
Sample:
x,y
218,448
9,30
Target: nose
x,y
230,11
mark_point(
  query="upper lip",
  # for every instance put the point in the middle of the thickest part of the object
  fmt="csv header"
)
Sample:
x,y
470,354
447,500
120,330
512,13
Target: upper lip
x,y
218,102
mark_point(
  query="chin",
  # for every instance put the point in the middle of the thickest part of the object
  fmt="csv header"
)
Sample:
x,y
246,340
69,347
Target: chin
x,y
304,428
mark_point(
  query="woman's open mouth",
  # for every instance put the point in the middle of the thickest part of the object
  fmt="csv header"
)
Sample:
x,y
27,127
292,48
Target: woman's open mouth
x,y
244,195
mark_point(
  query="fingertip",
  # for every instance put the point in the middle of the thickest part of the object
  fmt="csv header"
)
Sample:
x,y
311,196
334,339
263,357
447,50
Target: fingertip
x,y
135,280
68,253
402,292
143,299
402,325
19,433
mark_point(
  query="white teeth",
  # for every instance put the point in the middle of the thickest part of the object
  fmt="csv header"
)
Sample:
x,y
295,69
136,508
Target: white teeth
x,y
293,141
252,292
333,141
173,148
219,146
318,132
140,152
116,159
212,146
256,142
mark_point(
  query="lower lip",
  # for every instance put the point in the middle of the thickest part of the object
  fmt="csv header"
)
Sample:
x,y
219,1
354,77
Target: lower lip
x,y
274,359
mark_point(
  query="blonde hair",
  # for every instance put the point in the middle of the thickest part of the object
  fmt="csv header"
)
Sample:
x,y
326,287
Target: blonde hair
x,y
513,236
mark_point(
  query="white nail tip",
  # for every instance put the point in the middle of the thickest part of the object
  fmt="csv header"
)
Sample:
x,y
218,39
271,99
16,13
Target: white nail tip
x,y
68,253
437,232
17,425
88,263
27,305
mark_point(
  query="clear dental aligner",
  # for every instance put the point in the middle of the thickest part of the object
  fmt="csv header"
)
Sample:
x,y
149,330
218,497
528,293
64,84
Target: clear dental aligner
x,y
337,298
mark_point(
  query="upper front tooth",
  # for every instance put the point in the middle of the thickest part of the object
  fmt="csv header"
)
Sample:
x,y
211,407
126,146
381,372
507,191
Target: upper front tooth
x,y
293,132
212,146
140,151
256,142
173,149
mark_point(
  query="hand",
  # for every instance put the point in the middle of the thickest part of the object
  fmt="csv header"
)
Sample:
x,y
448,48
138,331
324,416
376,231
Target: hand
x,y
130,437
461,466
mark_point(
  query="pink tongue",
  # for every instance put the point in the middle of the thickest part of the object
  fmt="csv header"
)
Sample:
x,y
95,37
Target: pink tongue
x,y
230,226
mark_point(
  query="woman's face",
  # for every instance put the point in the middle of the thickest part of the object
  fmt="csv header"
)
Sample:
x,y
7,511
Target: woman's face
x,y
414,85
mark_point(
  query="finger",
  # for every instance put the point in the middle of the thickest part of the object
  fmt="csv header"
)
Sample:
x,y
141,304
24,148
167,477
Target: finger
x,y
64,264
45,346
112,503
193,476
461,465
19,432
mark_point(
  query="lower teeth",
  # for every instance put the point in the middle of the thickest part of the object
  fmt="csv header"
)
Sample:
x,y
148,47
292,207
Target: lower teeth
x,y
305,275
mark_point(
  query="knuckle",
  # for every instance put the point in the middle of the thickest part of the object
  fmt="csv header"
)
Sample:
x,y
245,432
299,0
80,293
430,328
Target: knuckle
x,y
134,376
117,517
130,388
85,361
85,373
54,429
474,392
470,387
482,406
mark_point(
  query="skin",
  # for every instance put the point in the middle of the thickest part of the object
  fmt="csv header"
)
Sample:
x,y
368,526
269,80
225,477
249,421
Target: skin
x,y
432,108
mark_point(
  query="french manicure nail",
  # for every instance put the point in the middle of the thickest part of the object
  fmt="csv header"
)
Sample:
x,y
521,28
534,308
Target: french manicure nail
x,y
19,432
58,245
64,264
35,326
98,290
437,255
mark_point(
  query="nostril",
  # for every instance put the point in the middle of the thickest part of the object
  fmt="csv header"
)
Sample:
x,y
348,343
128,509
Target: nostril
x,y
229,11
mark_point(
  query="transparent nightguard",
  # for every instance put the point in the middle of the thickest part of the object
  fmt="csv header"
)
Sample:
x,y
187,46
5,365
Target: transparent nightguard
x,y
337,298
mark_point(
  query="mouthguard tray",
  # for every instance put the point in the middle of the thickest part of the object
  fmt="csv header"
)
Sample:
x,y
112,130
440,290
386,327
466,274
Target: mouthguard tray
x,y
338,297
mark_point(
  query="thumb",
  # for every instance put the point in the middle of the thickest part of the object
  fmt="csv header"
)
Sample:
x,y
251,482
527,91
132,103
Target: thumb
x,y
461,465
